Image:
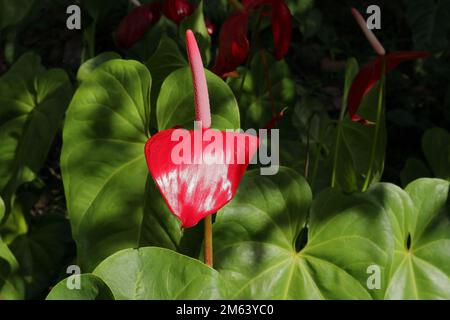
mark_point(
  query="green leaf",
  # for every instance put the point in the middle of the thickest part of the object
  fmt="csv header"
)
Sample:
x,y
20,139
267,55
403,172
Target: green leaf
x,y
102,161
259,249
430,23
43,252
421,227
91,64
157,273
91,288
436,147
10,286
8,267
33,102
2,209
144,49
196,22
175,105
268,86
16,223
166,59
11,13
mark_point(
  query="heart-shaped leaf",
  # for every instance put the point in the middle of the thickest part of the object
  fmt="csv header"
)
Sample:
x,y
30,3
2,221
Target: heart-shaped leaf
x,y
157,273
102,162
166,59
175,106
263,246
33,102
421,227
90,65
91,288
148,273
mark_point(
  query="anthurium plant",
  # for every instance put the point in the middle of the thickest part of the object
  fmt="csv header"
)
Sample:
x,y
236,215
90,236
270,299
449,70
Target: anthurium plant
x,y
193,149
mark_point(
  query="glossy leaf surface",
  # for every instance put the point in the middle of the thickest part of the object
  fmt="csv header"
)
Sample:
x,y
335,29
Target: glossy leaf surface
x,y
156,273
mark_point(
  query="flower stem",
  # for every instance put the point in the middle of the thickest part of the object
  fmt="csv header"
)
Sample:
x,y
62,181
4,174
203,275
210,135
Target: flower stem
x,y
377,126
308,144
338,141
208,241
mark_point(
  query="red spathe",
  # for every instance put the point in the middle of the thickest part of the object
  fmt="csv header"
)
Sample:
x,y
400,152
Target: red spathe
x,y
209,180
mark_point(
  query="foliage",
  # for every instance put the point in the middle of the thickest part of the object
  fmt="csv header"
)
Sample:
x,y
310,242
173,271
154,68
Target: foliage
x,y
77,108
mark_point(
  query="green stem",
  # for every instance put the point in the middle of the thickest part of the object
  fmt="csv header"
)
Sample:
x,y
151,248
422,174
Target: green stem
x,y
377,127
338,138
208,241
320,146
336,150
308,129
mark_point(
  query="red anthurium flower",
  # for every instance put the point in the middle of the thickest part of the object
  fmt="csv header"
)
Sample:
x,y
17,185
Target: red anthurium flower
x,y
281,28
177,10
209,173
369,74
135,24
233,42
195,190
281,20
